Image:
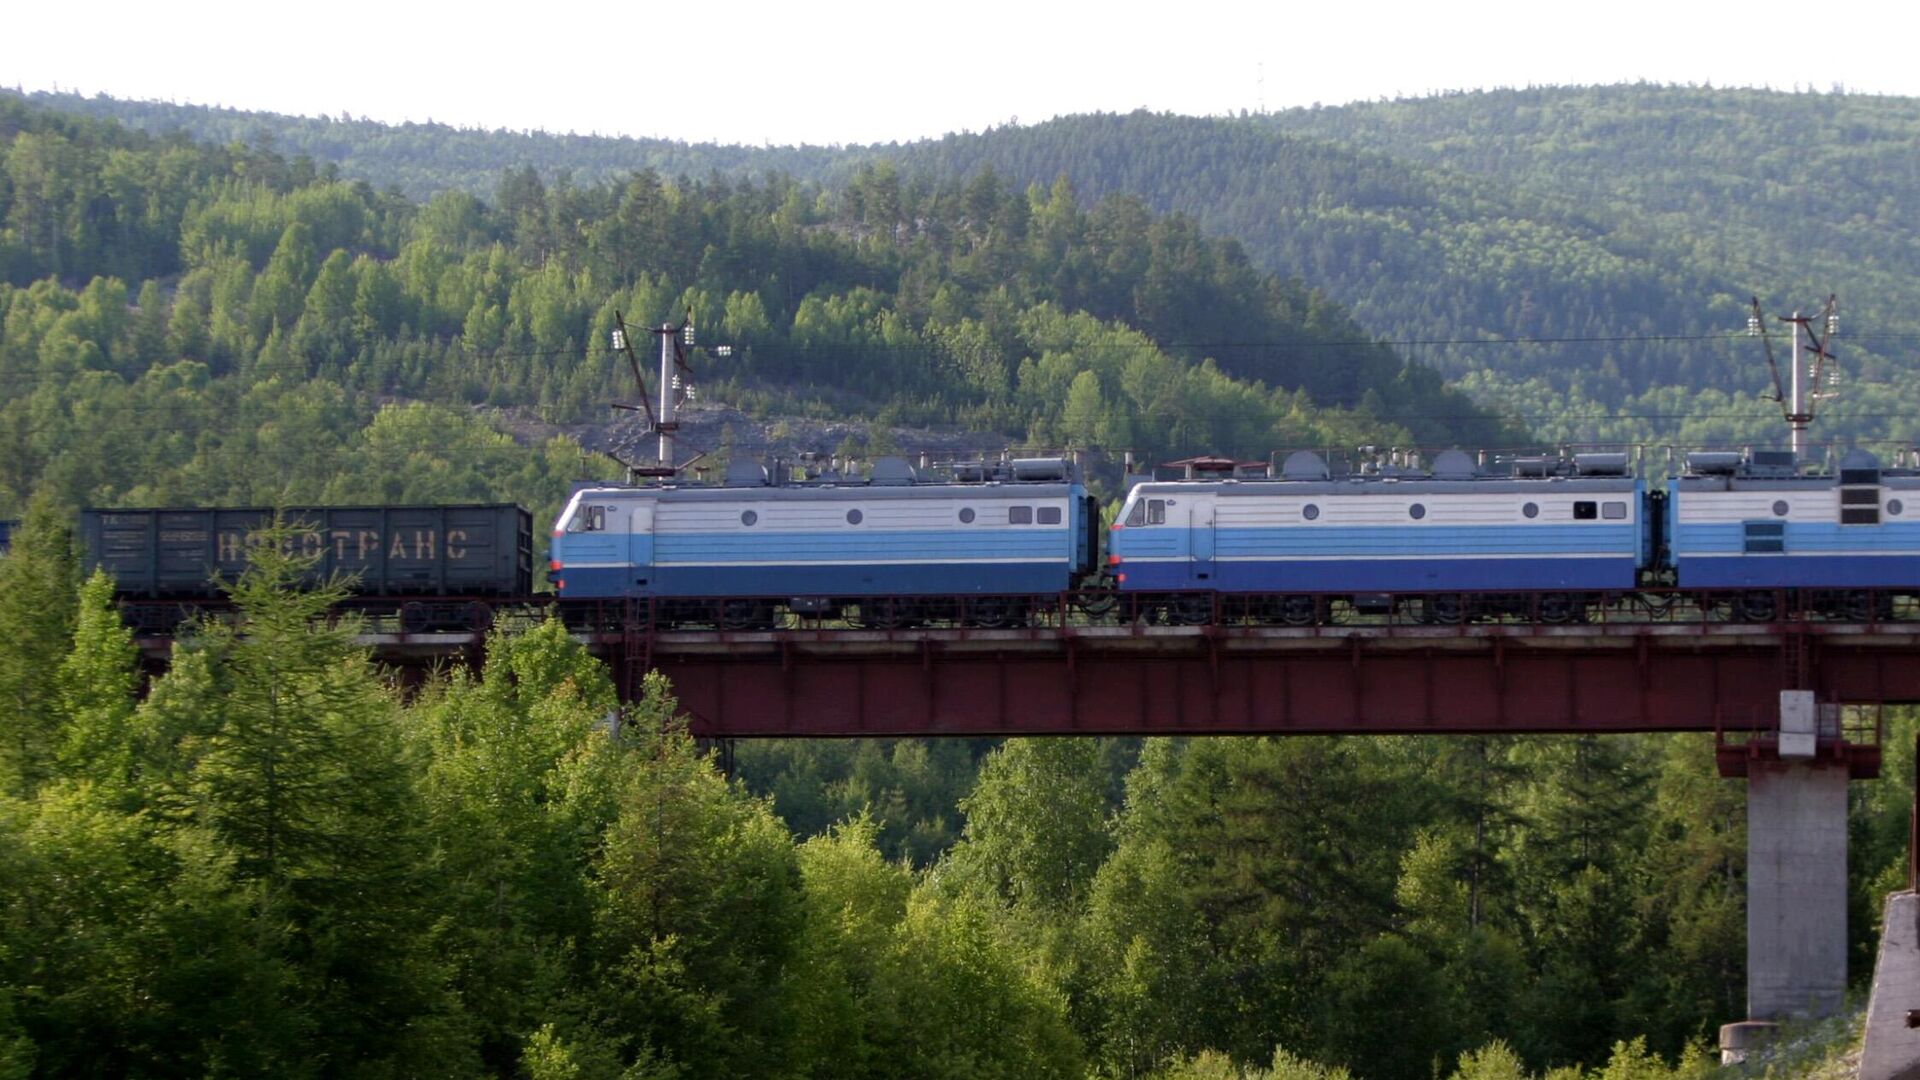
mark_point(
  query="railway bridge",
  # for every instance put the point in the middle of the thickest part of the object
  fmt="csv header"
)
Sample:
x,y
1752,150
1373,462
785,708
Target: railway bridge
x,y
1795,704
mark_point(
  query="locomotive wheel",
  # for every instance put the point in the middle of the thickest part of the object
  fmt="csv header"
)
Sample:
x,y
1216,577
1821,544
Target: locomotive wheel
x,y
1447,609
1557,608
997,612
1191,609
1299,611
1096,606
884,614
746,615
1757,607
1859,606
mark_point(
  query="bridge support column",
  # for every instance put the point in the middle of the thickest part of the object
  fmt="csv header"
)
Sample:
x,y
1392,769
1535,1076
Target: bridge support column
x,y
1796,889
1796,878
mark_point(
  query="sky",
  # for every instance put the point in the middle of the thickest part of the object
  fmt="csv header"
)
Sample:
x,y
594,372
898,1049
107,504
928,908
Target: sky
x,y
869,71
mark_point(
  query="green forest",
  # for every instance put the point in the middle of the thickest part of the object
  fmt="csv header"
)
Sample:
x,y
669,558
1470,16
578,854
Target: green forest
x,y
1580,259
189,323
276,862
276,859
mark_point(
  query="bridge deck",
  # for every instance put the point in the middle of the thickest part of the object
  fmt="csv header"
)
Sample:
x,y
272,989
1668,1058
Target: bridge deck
x,y
1384,676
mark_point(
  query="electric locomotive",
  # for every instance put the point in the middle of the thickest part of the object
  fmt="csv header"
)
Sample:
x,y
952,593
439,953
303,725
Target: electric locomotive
x,y
1749,532
1547,538
983,543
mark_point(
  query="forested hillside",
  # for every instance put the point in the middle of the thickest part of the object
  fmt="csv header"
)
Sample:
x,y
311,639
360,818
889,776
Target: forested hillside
x,y
426,159
188,322
1580,257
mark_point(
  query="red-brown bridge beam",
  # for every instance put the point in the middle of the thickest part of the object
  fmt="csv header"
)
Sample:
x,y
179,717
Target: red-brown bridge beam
x,y
1228,681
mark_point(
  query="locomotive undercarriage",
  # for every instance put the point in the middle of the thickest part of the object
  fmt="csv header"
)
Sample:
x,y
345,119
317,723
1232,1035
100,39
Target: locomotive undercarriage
x,y
1103,607
1545,608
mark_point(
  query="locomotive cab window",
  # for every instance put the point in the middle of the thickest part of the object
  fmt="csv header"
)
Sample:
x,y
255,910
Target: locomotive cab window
x,y
1156,511
1138,515
1019,515
1586,511
1049,515
588,519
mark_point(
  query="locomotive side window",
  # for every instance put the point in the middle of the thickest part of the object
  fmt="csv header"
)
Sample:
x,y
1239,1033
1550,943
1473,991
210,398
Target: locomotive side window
x,y
1019,515
1764,537
1138,515
1156,511
1049,515
589,519
1585,511
1860,506
1614,511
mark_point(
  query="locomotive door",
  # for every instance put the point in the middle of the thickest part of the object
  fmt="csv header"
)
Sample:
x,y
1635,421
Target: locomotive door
x,y
639,526
1200,534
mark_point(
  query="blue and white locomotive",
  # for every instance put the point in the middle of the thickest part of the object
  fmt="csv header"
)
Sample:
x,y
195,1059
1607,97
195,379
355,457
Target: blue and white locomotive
x,y
982,543
1453,540
1539,538
1752,526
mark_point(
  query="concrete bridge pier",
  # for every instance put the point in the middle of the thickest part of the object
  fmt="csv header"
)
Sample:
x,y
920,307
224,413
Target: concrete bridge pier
x,y
1796,872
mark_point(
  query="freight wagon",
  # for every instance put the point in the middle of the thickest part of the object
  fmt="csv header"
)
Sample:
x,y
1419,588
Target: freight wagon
x,y
186,553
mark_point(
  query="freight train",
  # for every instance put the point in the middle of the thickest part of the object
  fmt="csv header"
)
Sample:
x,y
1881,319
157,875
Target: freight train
x,y
1001,543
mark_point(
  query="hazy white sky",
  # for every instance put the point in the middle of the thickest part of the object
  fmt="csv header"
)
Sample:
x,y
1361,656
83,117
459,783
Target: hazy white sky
x,y
744,71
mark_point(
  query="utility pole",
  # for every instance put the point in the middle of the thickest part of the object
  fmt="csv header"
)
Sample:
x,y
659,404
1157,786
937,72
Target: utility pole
x,y
665,424
676,386
1798,398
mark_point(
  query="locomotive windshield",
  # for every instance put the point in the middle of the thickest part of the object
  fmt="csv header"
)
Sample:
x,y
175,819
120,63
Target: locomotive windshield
x,y
586,519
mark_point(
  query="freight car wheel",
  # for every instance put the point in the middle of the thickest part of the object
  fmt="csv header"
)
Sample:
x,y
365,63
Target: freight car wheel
x,y
415,617
479,616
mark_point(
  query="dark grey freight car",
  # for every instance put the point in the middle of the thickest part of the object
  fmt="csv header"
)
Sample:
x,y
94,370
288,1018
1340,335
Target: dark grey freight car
x,y
484,550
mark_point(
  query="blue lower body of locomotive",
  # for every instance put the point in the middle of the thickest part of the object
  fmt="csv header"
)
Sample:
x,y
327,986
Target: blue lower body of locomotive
x,y
797,580
1829,571
1505,573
